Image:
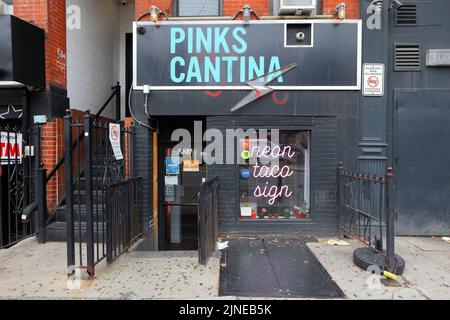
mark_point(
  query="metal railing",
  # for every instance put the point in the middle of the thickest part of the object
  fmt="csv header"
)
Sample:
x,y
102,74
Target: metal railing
x,y
208,219
43,178
90,168
365,209
124,216
17,183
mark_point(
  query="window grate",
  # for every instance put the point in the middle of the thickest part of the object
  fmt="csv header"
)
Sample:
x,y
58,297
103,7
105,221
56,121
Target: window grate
x,y
406,57
406,15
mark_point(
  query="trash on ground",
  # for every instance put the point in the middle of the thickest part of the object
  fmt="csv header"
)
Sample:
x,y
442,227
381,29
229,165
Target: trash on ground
x,y
334,242
446,239
222,245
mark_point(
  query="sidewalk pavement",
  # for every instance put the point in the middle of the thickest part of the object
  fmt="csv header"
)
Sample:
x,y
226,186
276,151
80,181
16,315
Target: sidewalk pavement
x,y
32,271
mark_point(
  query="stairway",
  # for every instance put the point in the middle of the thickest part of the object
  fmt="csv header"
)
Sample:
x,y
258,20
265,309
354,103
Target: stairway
x,y
56,231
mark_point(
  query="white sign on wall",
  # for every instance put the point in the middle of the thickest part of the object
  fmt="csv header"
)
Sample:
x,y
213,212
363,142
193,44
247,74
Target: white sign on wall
x,y
373,79
114,138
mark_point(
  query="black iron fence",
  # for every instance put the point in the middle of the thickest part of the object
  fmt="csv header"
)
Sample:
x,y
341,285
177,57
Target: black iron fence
x,y
124,218
17,183
208,219
365,208
97,158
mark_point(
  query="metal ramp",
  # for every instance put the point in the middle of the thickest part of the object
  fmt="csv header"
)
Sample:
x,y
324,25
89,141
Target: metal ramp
x,y
274,267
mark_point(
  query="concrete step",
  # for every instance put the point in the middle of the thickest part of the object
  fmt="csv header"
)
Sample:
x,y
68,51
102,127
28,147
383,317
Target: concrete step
x,y
57,232
79,212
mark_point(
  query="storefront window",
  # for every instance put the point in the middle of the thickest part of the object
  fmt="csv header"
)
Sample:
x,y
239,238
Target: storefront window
x,y
275,176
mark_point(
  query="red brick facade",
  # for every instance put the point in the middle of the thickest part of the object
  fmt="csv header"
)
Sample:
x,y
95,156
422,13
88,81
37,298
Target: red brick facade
x,y
262,7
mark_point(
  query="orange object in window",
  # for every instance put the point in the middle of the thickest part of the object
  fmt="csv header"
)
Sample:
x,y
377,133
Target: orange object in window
x,y
245,144
253,216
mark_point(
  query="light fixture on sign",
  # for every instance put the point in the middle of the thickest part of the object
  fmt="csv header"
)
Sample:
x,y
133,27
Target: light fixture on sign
x,y
340,10
154,13
246,13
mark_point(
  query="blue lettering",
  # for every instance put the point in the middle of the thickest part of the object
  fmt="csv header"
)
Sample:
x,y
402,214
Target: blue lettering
x,y
220,40
174,39
255,70
190,40
275,65
204,41
212,69
239,39
173,76
229,61
194,71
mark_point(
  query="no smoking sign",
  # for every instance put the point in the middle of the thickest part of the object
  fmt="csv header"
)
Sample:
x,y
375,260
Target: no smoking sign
x,y
373,84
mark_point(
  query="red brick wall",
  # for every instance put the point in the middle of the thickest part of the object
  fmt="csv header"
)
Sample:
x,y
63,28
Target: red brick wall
x,y
230,7
352,9
52,151
142,6
261,7
51,16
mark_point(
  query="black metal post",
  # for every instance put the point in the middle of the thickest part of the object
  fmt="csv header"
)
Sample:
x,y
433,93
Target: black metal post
x,y
339,190
131,151
89,206
1,206
390,220
108,213
118,101
41,203
68,182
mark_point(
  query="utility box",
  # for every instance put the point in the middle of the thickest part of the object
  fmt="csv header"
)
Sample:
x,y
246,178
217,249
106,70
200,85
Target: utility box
x,y
297,7
22,53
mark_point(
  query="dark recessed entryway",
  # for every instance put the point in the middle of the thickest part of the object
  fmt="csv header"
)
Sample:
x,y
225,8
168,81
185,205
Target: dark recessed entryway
x,y
274,267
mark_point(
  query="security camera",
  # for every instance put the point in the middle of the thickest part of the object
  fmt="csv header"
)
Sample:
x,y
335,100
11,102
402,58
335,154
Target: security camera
x,y
300,36
396,4
123,2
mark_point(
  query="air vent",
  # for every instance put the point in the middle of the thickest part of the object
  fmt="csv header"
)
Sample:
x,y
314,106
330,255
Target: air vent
x,y
406,57
406,15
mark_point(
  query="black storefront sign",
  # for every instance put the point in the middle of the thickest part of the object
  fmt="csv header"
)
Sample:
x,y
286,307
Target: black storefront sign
x,y
225,55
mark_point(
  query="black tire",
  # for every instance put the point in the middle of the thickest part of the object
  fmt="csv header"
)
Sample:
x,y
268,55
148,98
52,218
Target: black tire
x,y
365,257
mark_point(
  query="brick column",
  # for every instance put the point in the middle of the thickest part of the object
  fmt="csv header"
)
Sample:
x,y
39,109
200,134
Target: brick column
x,y
50,15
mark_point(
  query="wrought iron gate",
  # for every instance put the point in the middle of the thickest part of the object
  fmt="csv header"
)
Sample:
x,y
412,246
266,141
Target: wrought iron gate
x,y
16,184
97,226
365,208
208,219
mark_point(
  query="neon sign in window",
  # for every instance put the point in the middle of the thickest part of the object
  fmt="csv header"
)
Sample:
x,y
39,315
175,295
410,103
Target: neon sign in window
x,y
275,178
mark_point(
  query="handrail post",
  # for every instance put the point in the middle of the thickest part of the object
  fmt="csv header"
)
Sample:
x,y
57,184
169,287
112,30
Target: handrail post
x,y
68,186
118,101
390,228
339,189
131,150
41,203
89,206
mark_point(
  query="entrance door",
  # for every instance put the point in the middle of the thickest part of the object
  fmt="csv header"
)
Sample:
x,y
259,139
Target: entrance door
x,y
422,133
180,176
